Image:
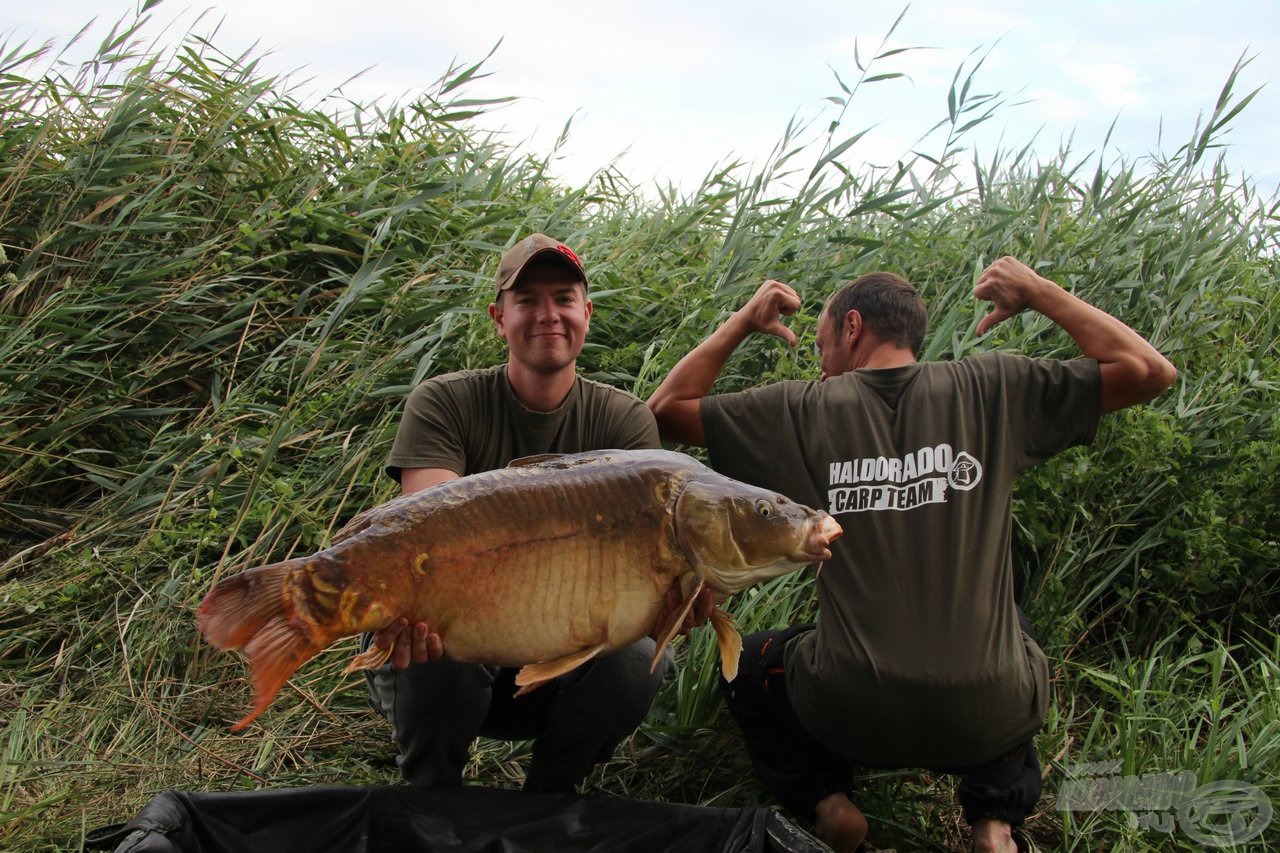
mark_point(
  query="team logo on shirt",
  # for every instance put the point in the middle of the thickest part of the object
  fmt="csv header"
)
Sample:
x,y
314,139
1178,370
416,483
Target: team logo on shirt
x,y
965,472
919,478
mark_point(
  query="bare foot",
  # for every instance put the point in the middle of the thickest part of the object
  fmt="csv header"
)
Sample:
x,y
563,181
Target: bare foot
x,y
993,836
840,824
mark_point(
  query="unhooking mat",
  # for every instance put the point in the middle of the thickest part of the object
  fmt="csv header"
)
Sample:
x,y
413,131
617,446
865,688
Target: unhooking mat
x,y
403,819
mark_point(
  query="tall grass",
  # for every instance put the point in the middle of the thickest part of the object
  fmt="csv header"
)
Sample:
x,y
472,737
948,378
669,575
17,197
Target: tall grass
x,y
215,298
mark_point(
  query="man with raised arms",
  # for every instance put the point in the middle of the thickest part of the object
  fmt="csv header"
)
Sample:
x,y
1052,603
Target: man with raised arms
x,y
919,657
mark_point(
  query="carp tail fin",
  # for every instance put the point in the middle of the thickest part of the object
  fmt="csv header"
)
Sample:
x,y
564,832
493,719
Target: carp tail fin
x,y
729,640
668,631
253,612
237,607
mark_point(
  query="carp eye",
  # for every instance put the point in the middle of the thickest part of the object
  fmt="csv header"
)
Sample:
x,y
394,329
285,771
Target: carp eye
x,y
764,508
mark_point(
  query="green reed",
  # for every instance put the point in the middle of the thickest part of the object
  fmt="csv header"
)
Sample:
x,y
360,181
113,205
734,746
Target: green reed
x,y
214,297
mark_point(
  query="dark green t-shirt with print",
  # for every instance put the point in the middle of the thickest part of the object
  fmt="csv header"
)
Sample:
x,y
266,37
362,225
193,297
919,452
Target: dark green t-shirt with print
x,y
471,421
918,659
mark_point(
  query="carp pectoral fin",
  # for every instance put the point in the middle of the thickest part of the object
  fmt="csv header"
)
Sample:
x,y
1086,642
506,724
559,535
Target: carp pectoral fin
x,y
537,674
371,658
730,642
672,628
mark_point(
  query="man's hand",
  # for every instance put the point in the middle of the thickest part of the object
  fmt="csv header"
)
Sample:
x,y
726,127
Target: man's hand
x,y
764,310
677,401
1009,285
416,644
703,603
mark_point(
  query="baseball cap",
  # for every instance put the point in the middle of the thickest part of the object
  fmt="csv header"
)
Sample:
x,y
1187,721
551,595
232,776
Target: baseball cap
x,y
515,259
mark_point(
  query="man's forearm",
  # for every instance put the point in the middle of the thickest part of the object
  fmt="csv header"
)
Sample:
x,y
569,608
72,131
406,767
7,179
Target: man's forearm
x,y
1133,370
676,402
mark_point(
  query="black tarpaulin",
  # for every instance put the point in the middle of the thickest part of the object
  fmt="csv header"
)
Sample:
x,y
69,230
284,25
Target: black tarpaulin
x,y
403,819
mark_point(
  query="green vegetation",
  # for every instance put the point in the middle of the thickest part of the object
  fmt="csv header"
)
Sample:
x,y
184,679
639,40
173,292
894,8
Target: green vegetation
x,y
213,299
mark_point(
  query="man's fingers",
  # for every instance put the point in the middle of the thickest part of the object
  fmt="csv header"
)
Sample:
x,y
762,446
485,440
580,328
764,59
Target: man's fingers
x,y
764,310
401,656
416,644
703,606
420,643
426,644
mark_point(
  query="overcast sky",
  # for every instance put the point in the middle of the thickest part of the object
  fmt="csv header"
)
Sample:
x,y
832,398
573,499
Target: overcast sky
x,y
673,88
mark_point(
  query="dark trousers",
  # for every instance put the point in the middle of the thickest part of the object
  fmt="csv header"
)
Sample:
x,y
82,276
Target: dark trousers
x,y
801,771
438,709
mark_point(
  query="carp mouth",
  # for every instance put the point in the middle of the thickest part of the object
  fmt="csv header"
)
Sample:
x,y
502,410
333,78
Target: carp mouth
x,y
816,547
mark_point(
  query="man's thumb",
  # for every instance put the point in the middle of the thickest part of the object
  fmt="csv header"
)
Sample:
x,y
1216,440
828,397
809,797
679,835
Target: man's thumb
x,y
988,321
782,331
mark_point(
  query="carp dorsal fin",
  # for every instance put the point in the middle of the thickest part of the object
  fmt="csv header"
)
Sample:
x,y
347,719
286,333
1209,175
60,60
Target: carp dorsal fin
x,y
670,630
354,526
536,674
564,460
729,640
533,460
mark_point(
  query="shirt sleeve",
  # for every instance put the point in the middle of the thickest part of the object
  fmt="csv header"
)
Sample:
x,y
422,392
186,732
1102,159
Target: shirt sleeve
x,y
1061,404
636,428
749,434
430,432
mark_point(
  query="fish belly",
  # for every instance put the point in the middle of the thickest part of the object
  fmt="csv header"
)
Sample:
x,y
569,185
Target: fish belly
x,y
548,601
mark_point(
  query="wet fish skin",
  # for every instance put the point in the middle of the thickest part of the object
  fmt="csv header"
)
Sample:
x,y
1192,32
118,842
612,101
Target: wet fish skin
x,y
542,565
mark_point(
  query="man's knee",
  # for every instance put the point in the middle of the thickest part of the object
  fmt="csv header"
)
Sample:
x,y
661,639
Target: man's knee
x,y
435,710
626,680
427,688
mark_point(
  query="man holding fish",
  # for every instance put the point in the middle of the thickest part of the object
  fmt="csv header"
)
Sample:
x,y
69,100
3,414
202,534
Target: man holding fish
x,y
918,657
473,421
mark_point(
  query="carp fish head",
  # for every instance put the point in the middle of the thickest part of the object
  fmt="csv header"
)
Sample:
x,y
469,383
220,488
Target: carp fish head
x,y
737,535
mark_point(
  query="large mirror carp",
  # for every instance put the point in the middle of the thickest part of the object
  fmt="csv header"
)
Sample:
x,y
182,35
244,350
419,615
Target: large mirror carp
x,y
542,565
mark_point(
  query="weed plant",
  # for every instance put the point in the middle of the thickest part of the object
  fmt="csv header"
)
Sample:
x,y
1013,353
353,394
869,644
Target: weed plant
x,y
214,297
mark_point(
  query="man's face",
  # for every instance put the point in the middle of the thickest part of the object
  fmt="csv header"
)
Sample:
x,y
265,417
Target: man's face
x,y
544,318
833,347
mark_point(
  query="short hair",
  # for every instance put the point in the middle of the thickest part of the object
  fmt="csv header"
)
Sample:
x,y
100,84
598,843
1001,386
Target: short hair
x,y
889,304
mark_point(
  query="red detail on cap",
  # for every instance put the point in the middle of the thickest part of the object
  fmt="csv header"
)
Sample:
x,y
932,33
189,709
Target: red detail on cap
x,y
567,252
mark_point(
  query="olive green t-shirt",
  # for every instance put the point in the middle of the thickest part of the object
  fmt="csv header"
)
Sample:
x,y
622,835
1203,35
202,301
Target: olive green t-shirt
x,y
471,421
918,659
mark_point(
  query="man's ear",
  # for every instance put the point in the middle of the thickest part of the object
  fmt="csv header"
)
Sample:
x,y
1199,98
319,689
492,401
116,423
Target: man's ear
x,y
495,314
853,325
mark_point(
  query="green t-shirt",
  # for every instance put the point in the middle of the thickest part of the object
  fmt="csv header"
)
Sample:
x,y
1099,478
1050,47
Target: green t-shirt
x,y
470,421
918,659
